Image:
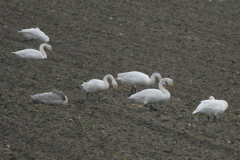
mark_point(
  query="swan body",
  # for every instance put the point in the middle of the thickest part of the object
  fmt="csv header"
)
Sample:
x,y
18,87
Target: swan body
x,y
97,86
54,97
34,54
151,96
211,106
136,78
34,33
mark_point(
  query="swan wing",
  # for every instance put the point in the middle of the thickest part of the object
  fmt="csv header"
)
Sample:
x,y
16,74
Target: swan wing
x,y
30,33
29,53
34,33
49,97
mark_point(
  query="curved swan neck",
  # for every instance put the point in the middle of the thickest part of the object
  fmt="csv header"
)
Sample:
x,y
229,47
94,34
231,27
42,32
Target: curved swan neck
x,y
41,48
160,85
109,76
153,77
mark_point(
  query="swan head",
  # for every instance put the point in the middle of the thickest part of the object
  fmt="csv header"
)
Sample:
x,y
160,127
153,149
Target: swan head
x,y
114,84
48,46
211,98
168,80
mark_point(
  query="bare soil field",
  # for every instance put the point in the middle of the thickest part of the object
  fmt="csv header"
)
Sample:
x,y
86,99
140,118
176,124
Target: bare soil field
x,y
195,43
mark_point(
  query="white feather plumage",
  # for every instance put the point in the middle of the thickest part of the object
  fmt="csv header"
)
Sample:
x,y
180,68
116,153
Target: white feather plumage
x,y
97,86
136,78
151,96
34,33
211,106
33,53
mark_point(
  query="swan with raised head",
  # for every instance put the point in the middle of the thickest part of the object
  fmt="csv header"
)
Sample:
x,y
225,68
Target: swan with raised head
x,y
34,33
54,97
211,106
151,96
33,53
136,78
97,86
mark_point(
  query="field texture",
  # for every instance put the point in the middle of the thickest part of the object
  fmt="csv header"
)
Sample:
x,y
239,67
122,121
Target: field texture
x,y
195,43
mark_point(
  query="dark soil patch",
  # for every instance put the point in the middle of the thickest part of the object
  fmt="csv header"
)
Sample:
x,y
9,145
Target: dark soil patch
x,y
196,43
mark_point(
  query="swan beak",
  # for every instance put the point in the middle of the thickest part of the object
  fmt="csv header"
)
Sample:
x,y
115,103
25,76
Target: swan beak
x,y
172,84
164,87
115,87
51,51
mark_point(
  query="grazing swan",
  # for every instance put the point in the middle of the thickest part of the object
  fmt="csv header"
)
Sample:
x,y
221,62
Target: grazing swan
x,y
150,96
33,53
97,85
54,97
34,33
211,106
136,78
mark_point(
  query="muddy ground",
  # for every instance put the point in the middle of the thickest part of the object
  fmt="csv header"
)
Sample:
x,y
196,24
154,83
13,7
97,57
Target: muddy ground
x,y
196,43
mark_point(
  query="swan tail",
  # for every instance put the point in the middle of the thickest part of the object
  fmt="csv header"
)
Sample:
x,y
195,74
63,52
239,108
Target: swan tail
x,y
83,85
133,96
121,74
16,53
194,112
33,97
119,79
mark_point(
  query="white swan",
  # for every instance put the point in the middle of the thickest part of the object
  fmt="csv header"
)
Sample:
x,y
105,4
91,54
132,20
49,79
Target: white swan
x,y
151,96
136,78
54,97
211,106
33,53
34,33
98,86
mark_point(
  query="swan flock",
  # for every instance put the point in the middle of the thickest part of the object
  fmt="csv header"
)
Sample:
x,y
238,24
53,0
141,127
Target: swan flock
x,y
134,79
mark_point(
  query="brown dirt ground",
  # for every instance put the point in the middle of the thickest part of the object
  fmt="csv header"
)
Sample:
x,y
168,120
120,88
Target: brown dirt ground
x,y
196,43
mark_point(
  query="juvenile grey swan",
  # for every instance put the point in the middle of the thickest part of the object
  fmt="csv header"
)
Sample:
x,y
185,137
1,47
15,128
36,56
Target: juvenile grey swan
x,y
54,97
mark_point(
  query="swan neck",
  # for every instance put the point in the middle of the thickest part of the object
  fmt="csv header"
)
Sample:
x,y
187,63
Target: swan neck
x,y
105,79
152,79
41,48
161,87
